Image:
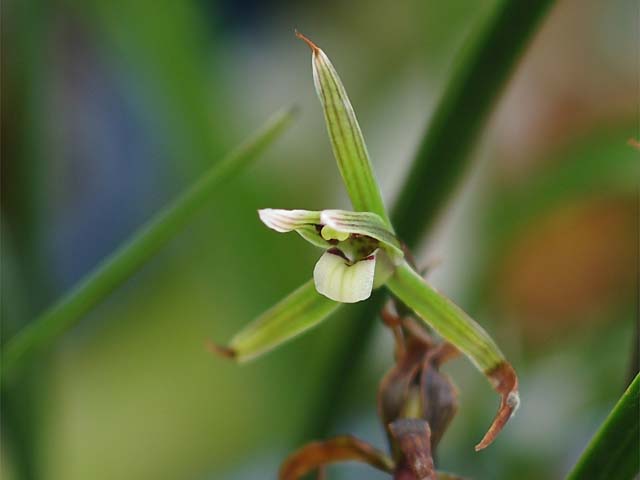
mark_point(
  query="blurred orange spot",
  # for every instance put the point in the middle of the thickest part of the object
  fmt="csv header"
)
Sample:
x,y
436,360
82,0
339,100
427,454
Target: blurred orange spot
x,y
571,266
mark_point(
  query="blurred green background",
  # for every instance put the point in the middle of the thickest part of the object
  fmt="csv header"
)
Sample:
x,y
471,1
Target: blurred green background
x,y
111,108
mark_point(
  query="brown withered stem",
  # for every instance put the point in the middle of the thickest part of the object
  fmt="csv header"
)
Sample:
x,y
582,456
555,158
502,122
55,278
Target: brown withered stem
x,y
415,386
316,455
414,440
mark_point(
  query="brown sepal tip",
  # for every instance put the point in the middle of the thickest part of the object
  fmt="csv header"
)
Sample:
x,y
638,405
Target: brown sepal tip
x,y
314,48
220,350
505,382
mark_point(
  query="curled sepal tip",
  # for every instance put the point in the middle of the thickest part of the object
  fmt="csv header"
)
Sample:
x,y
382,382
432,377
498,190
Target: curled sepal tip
x,y
505,382
305,39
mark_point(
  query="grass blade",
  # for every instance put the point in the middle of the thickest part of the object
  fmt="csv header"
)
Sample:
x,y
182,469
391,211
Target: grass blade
x,y
298,312
479,79
346,137
613,452
120,265
454,325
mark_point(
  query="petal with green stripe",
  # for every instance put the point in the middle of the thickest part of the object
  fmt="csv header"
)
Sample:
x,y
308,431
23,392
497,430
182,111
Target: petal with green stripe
x,y
363,223
320,228
346,137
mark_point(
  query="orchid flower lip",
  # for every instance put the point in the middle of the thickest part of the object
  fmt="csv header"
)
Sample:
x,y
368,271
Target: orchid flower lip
x,y
337,278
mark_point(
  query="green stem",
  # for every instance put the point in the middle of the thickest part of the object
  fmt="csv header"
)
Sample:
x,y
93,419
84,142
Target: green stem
x,y
438,165
613,450
145,243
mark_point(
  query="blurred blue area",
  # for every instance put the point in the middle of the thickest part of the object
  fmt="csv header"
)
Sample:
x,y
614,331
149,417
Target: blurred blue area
x,y
106,169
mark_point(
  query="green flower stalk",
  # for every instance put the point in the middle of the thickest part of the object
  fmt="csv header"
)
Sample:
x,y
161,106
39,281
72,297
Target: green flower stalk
x,y
361,253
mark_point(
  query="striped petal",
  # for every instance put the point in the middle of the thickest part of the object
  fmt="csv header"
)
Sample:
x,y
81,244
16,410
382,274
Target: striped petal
x,y
346,137
324,228
288,220
363,223
302,221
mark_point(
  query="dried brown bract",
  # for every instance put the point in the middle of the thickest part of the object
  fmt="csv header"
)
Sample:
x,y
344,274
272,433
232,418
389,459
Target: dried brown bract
x,y
416,403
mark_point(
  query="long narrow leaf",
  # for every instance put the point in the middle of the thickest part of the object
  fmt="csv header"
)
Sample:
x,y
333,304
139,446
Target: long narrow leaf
x,y
481,73
120,265
346,137
453,324
298,312
614,451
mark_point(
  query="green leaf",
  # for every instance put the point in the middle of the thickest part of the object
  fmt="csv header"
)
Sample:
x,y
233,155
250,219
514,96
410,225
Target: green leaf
x,y
346,137
454,325
612,453
172,63
481,72
301,310
145,243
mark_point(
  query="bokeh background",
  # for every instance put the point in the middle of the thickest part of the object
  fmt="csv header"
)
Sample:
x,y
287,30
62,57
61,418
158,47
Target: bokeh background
x,y
111,108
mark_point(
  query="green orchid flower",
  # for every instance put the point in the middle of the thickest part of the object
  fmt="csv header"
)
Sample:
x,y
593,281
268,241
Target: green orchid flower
x,y
362,252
